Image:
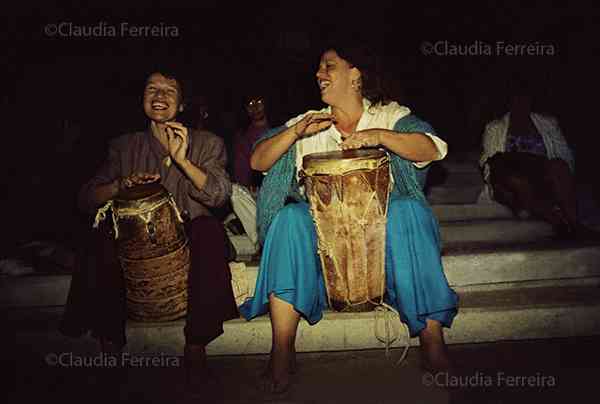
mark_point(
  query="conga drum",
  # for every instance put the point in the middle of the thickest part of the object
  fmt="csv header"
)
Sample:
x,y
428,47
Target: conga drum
x,y
153,251
348,193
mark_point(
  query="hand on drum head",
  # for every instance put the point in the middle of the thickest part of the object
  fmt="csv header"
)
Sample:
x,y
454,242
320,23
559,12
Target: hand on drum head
x,y
360,139
137,179
313,123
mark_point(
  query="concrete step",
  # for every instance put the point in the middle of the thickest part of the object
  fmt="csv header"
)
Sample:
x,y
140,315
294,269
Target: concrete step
x,y
457,180
459,163
484,316
467,265
472,211
498,231
442,194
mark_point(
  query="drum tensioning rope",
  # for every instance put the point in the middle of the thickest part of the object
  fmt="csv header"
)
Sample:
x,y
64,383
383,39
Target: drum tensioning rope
x,y
387,339
144,212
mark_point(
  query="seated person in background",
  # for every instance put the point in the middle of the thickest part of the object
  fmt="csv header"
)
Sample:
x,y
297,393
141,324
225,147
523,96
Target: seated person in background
x,y
245,138
190,164
246,180
529,167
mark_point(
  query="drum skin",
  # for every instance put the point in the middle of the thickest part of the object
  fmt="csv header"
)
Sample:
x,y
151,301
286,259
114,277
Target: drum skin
x,y
348,193
154,253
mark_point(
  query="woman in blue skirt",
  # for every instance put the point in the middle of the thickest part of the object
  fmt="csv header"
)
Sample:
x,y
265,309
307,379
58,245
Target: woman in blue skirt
x,y
290,284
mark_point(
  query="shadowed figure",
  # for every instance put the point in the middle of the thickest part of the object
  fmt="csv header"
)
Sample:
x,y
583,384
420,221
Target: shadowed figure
x,y
529,167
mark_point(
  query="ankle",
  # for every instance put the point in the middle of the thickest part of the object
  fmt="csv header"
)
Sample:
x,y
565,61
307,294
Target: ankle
x,y
194,353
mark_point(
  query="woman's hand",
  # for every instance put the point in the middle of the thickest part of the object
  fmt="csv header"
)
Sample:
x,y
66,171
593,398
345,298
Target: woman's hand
x,y
313,123
177,140
360,139
137,179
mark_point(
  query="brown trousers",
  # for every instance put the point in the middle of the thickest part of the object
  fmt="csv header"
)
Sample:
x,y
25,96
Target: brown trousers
x,y
97,302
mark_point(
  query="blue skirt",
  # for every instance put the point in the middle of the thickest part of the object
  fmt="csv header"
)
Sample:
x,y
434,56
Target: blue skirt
x,y
415,282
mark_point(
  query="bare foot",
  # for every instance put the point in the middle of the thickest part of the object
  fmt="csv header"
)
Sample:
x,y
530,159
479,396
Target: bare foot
x,y
276,377
434,352
268,371
435,358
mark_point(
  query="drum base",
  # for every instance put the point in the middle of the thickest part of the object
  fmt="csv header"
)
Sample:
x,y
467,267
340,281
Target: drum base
x,y
344,307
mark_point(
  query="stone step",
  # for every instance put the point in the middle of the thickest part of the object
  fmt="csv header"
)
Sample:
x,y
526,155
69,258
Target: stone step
x,y
472,211
467,266
480,263
484,316
453,180
459,162
442,194
460,167
498,231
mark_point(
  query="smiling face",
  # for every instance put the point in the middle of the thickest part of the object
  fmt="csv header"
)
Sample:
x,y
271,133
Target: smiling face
x,y
334,77
162,98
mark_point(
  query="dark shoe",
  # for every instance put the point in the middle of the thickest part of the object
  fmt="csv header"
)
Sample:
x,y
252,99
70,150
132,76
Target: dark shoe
x,y
200,381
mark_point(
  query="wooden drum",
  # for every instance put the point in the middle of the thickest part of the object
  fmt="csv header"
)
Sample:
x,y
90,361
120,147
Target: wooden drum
x,y
153,251
348,193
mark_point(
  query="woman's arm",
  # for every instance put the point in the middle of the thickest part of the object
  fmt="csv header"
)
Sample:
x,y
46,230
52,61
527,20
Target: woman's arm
x,y
413,146
270,150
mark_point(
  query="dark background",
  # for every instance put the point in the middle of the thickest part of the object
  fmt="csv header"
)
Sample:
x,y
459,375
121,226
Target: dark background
x,y
65,96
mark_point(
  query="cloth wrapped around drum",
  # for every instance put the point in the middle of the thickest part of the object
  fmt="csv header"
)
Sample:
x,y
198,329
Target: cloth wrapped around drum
x,y
348,194
153,251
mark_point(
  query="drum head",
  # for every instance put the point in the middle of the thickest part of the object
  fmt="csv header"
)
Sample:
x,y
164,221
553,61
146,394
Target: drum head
x,y
141,191
345,154
340,162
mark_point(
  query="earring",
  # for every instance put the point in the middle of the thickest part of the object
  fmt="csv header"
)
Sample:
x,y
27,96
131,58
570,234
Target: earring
x,y
357,85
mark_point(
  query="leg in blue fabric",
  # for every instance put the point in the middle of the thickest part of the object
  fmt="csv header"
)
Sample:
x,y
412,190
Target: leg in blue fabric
x,y
289,285
416,284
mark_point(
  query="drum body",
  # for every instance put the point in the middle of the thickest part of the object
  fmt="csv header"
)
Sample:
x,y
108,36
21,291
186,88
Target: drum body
x,y
153,251
348,192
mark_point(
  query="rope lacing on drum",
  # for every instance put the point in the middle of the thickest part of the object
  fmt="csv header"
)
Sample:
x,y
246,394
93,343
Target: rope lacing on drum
x,y
101,216
388,340
144,213
174,206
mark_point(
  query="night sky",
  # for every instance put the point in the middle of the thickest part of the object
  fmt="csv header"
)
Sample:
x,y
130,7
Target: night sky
x,y
58,74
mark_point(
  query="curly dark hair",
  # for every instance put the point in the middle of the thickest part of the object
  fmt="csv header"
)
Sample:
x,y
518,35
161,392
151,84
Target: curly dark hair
x,y
366,59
